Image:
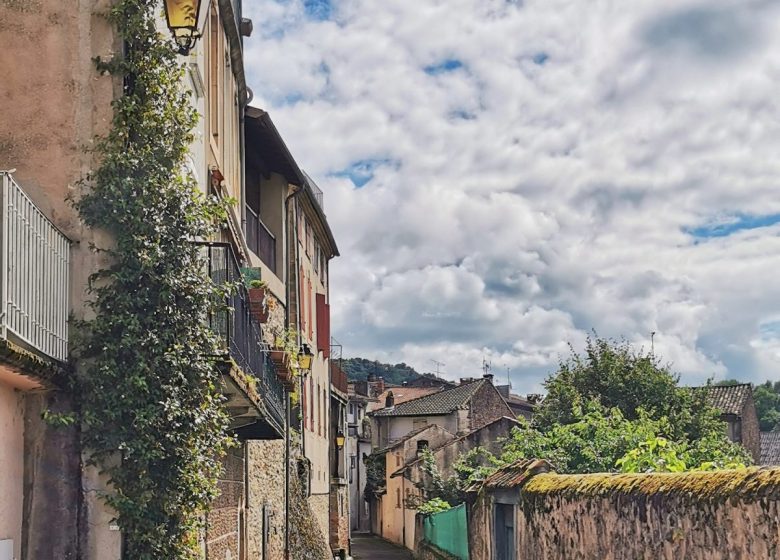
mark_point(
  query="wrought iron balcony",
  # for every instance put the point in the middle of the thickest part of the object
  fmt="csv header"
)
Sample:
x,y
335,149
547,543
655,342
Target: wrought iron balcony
x,y
34,275
261,241
241,334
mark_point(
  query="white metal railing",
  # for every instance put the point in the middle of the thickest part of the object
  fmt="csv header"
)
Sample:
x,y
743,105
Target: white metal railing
x,y
34,274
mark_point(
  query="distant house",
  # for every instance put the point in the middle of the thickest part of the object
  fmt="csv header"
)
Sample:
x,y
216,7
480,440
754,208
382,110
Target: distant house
x,y
738,410
460,409
770,449
391,518
519,405
446,420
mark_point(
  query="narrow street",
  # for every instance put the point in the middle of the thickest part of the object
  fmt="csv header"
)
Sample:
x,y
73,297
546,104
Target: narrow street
x,y
369,547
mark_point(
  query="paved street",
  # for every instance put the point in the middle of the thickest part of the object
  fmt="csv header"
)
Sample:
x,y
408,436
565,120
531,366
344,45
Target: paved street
x,y
368,547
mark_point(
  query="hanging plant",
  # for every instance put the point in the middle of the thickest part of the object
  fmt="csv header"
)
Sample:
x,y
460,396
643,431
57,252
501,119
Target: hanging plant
x,y
149,390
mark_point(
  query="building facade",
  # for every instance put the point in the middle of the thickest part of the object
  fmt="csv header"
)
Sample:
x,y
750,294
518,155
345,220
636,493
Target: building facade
x,y
55,103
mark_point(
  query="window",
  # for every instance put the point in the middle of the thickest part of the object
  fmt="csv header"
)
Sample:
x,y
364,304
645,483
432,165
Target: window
x,y
398,498
397,459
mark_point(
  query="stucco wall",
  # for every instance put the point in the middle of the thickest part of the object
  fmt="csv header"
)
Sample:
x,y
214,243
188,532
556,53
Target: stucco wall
x,y
12,461
712,516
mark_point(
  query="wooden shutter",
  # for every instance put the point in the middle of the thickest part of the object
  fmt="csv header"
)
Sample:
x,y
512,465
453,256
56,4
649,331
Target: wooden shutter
x,y
323,326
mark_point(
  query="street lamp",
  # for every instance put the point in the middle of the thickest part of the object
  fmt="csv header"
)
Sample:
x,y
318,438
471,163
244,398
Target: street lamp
x,y
340,440
184,18
305,356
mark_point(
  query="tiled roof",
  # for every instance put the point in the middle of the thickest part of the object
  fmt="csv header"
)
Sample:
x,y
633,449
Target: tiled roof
x,y
729,399
401,395
513,475
770,449
441,402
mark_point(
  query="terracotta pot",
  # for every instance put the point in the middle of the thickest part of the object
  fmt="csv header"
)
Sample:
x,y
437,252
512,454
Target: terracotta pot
x,y
257,304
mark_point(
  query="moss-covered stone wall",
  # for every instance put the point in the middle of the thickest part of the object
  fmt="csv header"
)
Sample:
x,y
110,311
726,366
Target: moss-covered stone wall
x,y
699,515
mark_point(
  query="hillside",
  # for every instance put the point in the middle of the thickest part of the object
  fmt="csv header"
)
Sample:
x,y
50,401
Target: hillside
x,y
358,369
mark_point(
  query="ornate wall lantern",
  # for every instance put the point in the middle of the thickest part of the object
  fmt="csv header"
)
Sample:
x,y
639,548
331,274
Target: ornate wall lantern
x,y
185,18
340,440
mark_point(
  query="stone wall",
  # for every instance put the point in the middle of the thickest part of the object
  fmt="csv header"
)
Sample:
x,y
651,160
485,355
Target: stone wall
x,y
223,522
319,504
751,432
697,515
427,551
265,504
307,540
487,405
339,517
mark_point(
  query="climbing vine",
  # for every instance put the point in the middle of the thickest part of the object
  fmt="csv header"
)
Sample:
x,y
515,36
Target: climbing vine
x,y
151,409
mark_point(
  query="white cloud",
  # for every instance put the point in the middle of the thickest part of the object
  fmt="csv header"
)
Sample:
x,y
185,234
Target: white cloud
x,y
543,186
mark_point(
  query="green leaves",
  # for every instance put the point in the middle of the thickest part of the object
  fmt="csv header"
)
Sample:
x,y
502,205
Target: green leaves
x,y
147,382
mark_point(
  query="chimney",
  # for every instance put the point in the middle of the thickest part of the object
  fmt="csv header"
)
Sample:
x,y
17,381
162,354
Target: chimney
x,y
489,377
380,385
405,383
464,380
390,400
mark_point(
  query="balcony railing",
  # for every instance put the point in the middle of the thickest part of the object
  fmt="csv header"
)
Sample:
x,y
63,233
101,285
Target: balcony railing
x,y
261,241
241,334
34,275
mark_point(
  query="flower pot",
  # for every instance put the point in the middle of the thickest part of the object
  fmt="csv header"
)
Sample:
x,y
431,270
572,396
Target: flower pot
x,y
257,304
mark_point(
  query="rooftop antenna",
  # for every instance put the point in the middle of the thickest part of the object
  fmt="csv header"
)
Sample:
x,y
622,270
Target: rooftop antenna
x,y
485,366
652,343
438,366
507,378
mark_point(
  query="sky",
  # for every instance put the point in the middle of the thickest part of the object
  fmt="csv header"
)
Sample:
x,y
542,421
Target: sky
x,y
504,177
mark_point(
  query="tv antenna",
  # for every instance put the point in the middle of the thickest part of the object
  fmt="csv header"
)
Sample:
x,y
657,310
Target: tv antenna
x,y
486,366
439,365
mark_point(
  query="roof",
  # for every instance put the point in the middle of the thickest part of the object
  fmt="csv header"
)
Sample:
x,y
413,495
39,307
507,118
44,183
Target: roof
x,y
770,448
400,395
513,475
439,403
264,140
729,399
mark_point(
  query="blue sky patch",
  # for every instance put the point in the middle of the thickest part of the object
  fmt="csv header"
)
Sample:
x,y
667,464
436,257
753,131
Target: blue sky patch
x,y
541,58
361,172
732,224
449,65
318,9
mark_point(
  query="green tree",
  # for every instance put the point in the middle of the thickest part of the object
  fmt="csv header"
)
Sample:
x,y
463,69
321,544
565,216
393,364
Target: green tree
x,y
618,376
601,440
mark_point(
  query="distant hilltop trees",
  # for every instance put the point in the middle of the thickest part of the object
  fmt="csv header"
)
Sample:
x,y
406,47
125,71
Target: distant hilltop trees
x,y
358,369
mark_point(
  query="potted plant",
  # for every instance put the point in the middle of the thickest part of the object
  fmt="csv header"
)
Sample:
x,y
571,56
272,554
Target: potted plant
x,y
284,355
257,300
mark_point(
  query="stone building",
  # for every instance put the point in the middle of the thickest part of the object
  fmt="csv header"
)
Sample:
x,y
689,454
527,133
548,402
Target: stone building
x,y
738,410
358,449
448,421
55,102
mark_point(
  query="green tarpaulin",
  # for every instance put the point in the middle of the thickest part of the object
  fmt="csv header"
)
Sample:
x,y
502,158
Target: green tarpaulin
x,y
448,531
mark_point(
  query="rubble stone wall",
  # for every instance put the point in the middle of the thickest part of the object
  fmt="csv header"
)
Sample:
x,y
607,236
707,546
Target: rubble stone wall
x,y
698,515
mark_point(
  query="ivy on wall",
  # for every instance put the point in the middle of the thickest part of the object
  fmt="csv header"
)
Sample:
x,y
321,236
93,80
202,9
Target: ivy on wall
x,y
150,404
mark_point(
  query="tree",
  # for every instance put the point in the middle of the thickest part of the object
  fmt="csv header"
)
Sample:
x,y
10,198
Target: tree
x,y
601,440
615,375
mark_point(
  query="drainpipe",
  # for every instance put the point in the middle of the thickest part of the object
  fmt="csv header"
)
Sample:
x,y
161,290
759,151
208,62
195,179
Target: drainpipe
x,y
287,450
